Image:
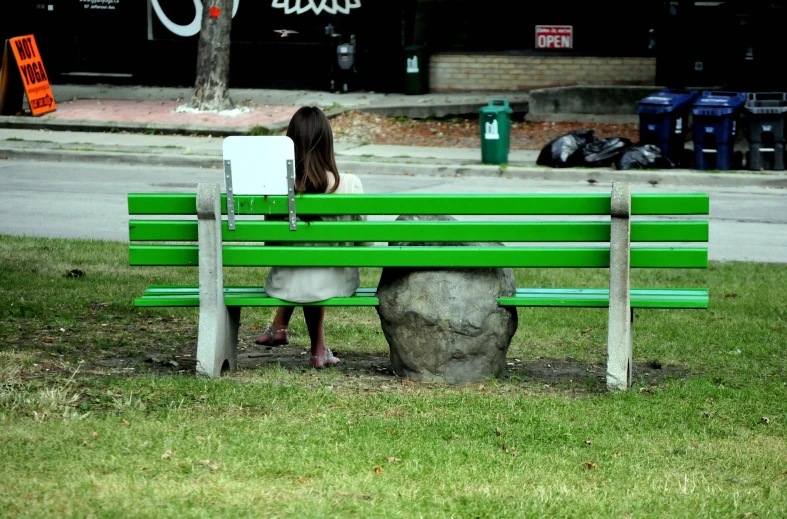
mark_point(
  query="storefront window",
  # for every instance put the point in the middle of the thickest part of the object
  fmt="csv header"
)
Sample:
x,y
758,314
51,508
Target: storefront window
x,y
599,28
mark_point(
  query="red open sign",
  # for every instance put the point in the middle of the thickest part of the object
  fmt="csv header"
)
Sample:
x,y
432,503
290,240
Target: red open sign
x,y
554,37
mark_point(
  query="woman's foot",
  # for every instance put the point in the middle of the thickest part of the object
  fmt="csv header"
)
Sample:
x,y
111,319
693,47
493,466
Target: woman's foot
x,y
321,361
273,338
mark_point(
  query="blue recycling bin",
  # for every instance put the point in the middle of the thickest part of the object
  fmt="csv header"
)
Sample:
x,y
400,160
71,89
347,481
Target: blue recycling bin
x,y
663,121
716,117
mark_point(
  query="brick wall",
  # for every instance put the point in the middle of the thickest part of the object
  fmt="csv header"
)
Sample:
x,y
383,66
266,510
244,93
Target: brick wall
x,y
465,72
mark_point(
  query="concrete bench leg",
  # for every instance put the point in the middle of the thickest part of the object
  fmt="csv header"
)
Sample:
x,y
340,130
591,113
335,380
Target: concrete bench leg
x,y
620,340
217,342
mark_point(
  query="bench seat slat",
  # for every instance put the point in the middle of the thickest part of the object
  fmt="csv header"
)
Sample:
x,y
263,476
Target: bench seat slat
x,y
458,204
192,300
168,290
376,231
676,298
640,298
160,290
425,257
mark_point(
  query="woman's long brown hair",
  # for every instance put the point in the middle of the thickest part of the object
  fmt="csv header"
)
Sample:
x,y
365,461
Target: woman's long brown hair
x,y
311,132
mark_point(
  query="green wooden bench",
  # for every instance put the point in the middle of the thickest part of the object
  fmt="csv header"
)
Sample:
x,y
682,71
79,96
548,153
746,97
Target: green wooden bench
x,y
207,242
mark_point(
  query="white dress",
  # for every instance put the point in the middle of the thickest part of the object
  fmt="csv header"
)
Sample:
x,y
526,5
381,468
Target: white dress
x,y
312,284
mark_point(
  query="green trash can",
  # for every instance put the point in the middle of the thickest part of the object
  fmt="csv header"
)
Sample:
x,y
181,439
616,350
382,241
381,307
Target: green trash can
x,y
495,123
417,70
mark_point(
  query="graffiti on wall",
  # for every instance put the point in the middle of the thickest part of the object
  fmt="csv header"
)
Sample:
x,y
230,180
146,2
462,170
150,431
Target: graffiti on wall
x,y
289,7
190,29
316,6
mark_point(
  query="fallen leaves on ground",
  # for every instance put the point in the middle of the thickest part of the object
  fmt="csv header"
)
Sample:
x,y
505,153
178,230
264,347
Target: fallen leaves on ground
x,y
510,450
168,454
212,465
361,127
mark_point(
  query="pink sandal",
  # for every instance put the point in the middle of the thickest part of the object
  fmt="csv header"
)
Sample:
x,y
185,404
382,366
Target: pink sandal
x,y
321,361
271,338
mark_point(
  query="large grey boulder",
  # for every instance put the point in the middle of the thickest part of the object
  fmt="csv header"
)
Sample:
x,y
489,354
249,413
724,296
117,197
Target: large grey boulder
x,y
444,325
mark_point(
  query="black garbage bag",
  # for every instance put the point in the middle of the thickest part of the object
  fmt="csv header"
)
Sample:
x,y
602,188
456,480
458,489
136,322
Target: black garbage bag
x,y
644,156
602,153
566,150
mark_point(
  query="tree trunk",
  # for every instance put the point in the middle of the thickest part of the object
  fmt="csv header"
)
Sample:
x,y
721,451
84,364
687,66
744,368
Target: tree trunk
x,y
211,90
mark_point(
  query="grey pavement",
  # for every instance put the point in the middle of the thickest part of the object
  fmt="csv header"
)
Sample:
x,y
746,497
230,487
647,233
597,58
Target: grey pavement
x,y
206,152
423,105
460,155
87,200
211,146
202,145
413,106
104,147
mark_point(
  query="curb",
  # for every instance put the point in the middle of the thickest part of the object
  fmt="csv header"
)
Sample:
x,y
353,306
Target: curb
x,y
651,177
582,118
427,111
99,157
81,125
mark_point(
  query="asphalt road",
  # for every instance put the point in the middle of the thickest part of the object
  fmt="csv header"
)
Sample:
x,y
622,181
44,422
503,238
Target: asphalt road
x,y
81,200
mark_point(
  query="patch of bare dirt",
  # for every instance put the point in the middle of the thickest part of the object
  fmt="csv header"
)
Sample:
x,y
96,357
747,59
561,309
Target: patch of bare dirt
x,y
546,372
154,352
555,371
365,128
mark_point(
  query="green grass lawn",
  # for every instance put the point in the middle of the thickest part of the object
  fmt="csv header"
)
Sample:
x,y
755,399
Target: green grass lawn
x,y
100,415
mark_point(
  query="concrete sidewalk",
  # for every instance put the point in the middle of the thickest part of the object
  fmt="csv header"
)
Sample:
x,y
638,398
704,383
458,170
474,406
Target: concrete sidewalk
x,y
163,110
210,148
206,152
91,121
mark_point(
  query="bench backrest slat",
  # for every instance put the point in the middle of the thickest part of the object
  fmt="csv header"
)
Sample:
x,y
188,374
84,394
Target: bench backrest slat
x,y
240,248
450,204
457,257
403,231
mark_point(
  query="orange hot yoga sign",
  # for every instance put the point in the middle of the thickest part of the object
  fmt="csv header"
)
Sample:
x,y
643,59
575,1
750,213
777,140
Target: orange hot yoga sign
x,y
34,78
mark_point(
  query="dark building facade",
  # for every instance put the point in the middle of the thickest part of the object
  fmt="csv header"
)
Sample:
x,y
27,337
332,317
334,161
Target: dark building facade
x,y
472,44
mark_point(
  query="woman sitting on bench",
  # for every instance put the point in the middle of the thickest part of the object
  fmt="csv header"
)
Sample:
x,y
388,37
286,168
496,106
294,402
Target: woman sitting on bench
x,y
315,172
